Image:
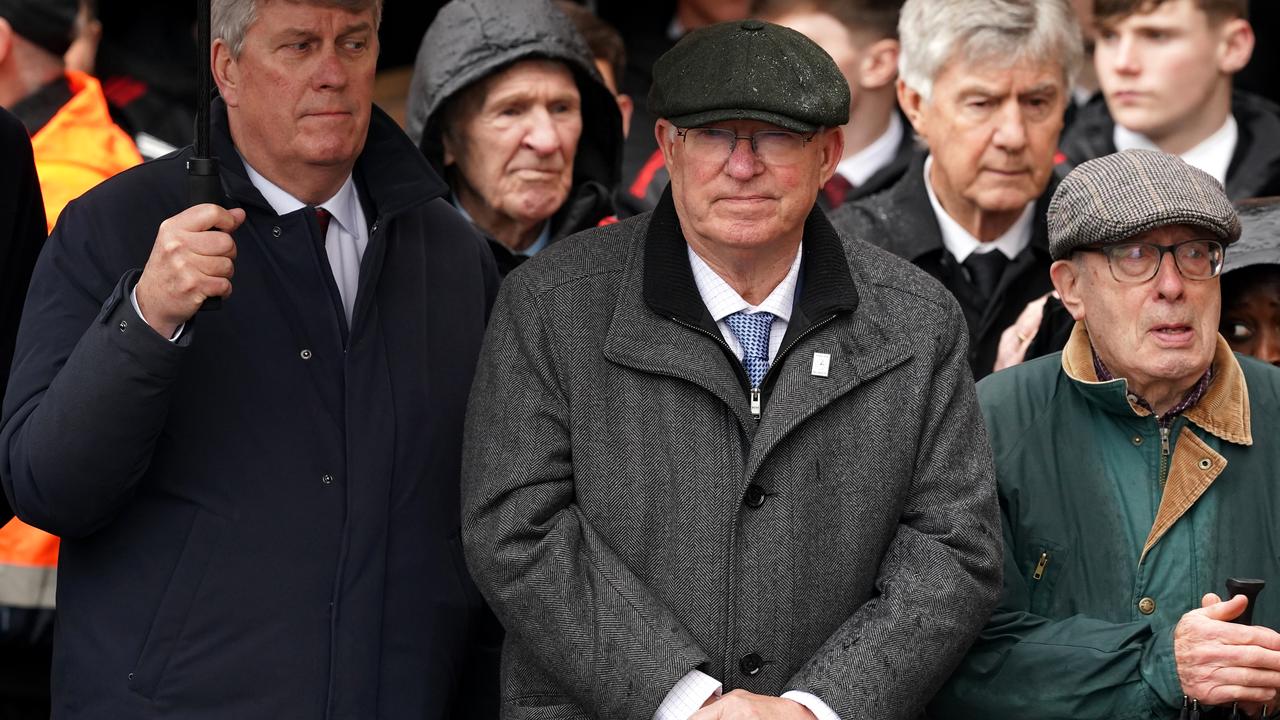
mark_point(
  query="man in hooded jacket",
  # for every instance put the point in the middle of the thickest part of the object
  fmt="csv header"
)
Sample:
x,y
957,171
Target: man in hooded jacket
x,y
507,104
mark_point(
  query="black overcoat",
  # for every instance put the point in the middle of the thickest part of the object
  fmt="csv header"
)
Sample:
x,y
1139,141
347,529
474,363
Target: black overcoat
x,y
259,520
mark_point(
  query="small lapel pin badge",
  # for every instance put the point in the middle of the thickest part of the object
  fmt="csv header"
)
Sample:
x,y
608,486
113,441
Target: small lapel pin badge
x,y
821,364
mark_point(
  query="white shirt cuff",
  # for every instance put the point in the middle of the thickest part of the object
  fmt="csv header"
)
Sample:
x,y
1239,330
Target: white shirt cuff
x,y
688,696
133,299
816,706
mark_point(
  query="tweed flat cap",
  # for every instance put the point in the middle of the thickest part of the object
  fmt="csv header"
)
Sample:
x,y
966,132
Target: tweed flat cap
x,y
749,70
1115,197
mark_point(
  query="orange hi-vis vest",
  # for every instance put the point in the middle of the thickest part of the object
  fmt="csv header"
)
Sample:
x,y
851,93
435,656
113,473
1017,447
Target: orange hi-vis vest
x,y
79,147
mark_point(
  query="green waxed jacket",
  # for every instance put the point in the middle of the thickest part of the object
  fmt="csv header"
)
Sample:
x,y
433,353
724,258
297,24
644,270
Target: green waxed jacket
x,y
1108,541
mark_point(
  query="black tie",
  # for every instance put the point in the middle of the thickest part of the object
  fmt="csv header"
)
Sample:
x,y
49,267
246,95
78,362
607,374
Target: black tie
x,y
985,270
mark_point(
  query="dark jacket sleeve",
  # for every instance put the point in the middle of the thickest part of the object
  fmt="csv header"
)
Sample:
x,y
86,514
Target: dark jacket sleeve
x,y
22,233
603,634
90,385
939,579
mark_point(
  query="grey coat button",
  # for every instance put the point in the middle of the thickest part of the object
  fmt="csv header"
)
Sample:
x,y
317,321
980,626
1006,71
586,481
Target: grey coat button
x,y
275,231
305,354
751,664
124,325
755,496
326,479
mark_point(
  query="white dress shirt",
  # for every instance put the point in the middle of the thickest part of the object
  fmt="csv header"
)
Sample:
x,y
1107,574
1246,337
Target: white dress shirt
x,y
961,244
348,234
859,167
1212,155
721,300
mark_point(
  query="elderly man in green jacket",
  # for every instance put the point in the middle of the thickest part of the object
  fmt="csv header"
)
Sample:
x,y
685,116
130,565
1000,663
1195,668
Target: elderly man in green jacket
x,y
1137,471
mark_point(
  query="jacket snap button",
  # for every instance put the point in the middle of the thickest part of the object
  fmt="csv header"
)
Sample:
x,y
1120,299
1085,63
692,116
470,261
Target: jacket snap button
x,y
755,496
275,231
1146,606
305,354
326,479
1137,439
751,664
124,324
1205,463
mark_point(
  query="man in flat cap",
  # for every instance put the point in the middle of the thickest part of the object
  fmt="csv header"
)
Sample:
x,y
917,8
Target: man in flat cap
x,y
707,461
1136,471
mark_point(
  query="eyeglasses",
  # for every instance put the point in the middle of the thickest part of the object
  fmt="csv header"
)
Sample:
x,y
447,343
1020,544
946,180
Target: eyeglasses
x,y
772,147
1138,262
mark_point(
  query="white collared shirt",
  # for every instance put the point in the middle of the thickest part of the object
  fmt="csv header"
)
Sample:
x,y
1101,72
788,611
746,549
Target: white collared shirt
x,y
859,167
961,244
723,301
1213,154
348,234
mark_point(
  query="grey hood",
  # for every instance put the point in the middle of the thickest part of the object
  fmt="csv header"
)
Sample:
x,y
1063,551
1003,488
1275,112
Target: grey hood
x,y
471,39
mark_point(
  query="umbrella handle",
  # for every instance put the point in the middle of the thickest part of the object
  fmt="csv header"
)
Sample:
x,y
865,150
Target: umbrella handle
x,y
1248,587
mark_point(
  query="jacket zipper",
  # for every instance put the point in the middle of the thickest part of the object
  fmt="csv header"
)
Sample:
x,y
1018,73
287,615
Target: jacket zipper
x,y
754,393
1039,573
1164,455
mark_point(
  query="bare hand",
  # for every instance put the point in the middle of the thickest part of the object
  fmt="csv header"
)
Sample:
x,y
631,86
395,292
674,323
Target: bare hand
x,y
1016,338
742,705
1220,662
192,260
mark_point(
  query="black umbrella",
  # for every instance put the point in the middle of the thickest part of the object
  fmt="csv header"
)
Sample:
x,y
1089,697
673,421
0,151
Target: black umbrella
x,y
203,183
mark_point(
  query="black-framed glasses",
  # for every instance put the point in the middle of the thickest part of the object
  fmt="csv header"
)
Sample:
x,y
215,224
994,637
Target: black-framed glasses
x,y
772,147
1138,262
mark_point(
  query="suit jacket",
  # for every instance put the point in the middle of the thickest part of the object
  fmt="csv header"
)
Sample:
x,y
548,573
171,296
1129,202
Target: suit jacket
x,y
630,521
259,520
902,221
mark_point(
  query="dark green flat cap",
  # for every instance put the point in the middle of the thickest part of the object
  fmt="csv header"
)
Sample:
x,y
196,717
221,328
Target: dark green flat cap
x,y
749,70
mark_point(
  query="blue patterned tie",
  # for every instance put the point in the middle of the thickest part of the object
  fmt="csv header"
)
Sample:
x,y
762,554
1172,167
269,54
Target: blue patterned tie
x,y
752,332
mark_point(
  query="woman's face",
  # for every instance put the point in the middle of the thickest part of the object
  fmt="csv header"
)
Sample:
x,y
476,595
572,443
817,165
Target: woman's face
x,y
1251,311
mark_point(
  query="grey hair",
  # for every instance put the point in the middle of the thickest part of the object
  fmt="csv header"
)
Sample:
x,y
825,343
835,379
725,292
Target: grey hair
x,y
229,20
933,32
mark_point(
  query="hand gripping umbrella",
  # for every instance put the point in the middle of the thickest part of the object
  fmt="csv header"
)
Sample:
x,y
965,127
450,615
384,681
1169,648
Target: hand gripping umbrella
x,y
203,183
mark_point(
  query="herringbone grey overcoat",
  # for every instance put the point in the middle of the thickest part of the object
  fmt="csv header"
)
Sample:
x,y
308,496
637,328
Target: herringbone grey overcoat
x,y
630,521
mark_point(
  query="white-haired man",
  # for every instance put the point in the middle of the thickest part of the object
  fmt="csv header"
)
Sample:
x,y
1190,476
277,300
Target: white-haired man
x,y
258,509
984,83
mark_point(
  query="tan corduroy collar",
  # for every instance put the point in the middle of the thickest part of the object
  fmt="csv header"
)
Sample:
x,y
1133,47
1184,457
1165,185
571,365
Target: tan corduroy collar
x,y
1223,410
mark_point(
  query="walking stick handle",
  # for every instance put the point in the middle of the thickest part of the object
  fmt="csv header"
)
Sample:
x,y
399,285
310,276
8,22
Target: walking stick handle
x,y
1248,587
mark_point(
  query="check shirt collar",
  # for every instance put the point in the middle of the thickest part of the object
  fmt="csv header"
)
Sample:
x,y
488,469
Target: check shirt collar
x,y
722,300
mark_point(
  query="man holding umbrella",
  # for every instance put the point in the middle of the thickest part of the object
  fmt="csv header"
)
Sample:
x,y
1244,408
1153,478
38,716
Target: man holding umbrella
x,y
259,506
